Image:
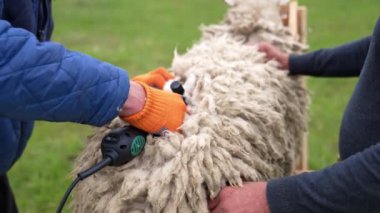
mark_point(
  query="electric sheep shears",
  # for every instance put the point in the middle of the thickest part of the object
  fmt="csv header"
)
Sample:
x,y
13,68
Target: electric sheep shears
x,y
118,147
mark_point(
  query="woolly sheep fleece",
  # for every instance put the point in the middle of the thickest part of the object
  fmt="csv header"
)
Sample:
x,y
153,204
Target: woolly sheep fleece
x,y
247,122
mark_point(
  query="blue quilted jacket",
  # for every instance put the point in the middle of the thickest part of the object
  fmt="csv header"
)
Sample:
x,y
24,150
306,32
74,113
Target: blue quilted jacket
x,y
42,80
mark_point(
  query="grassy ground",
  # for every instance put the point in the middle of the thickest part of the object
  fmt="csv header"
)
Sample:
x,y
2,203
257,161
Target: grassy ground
x,y
141,35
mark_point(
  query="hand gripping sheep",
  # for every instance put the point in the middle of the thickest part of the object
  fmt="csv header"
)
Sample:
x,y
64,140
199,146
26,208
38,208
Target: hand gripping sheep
x,y
247,122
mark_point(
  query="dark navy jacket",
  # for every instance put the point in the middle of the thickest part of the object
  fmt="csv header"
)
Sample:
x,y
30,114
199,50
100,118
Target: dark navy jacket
x,y
352,185
42,80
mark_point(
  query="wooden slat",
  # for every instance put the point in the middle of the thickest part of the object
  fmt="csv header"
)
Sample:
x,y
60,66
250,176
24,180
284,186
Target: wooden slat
x,y
305,154
302,25
284,12
293,18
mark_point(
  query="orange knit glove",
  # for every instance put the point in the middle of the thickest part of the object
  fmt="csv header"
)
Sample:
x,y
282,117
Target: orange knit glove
x,y
162,111
155,78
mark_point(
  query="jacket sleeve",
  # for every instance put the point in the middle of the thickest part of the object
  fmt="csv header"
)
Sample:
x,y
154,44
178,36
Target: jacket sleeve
x,y
343,61
352,185
1,8
45,81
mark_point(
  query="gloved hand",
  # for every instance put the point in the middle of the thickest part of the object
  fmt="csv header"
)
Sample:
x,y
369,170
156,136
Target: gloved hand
x,y
155,78
162,110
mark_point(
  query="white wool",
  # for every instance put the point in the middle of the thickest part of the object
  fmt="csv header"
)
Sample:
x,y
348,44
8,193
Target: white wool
x,y
247,123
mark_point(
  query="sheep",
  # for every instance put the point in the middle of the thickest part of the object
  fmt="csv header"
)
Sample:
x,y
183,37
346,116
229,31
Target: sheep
x,y
247,121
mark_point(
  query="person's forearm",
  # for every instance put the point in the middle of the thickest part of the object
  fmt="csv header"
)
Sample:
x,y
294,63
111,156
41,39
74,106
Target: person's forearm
x,y
343,61
45,81
352,185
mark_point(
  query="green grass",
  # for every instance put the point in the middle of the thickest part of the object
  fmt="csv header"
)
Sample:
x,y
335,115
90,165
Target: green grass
x,y
141,35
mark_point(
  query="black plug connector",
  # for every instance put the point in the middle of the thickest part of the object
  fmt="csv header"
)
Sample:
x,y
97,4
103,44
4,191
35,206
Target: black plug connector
x,y
123,144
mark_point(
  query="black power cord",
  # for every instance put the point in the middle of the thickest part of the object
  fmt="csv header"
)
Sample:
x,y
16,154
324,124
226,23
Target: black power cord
x,y
118,147
81,176
67,193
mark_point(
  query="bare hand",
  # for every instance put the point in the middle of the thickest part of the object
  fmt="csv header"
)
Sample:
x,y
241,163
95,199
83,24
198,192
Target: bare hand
x,y
273,52
136,100
251,198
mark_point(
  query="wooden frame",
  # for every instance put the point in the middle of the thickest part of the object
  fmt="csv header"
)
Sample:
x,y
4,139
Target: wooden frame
x,y
295,18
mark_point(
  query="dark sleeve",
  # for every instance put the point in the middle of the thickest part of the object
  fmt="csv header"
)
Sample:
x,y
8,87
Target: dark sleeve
x,y
343,61
352,185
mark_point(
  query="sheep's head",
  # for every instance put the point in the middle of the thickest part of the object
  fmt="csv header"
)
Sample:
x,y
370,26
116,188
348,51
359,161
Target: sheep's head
x,y
243,15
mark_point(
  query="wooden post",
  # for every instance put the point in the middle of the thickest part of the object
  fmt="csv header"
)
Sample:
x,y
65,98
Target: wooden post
x,y
295,18
302,27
